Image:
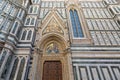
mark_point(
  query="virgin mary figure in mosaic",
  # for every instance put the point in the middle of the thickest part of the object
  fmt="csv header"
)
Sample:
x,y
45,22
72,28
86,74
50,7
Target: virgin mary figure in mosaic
x,y
52,48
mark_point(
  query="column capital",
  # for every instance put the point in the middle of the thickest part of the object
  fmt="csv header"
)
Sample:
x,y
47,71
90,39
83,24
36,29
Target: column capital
x,y
67,50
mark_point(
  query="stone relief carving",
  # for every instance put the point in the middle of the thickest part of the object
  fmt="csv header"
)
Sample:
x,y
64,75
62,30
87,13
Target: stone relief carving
x,y
53,26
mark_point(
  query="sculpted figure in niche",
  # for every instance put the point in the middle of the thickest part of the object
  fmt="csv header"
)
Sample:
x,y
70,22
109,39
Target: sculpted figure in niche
x,y
52,48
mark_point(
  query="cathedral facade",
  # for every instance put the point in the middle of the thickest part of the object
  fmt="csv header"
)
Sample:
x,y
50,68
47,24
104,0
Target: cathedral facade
x,y
59,39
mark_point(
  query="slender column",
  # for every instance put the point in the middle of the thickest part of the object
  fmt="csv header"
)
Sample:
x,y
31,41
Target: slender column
x,y
112,75
38,54
18,66
70,66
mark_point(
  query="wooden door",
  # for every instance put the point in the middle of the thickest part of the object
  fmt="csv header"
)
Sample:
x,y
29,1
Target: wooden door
x,y
52,70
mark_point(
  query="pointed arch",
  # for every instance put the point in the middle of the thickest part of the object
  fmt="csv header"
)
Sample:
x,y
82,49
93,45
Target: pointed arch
x,y
49,38
78,23
73,23
47,27
53,15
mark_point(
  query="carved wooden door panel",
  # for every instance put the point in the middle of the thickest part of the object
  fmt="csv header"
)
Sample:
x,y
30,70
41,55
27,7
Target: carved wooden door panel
x,y
52,70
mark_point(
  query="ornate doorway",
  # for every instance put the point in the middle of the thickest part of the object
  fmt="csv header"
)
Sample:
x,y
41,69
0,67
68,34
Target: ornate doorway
x,y
52,70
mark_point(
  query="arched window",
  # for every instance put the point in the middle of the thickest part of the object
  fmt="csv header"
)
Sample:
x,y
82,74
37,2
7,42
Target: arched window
x,y
21,68
20,13
6,67
76,25
24,35
2,58
7,7
13,72
12,11
28,21
31,9
1,19
32,21
15,27
29,35
35,9
6,25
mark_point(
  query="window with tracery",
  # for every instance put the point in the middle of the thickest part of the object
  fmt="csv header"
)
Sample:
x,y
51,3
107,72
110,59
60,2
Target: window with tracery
x,y
30,21
33,9
76,25
27,34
